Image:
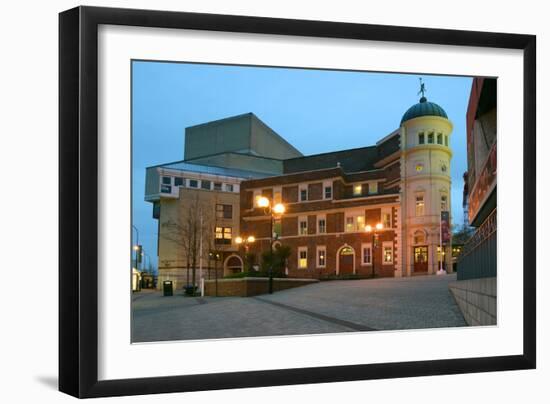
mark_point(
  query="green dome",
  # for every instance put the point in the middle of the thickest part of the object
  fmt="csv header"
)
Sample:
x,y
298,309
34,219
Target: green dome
x,y
424,108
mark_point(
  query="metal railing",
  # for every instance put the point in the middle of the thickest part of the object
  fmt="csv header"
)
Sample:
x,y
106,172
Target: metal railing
x,y
478,258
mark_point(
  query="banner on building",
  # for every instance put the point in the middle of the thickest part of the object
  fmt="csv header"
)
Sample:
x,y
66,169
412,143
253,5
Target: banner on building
x,y
445,227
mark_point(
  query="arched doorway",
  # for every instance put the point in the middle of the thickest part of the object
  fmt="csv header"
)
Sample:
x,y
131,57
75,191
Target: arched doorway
x,y
346,260
232,265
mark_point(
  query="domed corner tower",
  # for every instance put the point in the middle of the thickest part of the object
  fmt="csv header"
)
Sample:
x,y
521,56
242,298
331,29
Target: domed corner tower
x,y
425,186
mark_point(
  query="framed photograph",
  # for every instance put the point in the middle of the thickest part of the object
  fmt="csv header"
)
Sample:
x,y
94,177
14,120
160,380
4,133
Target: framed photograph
x,y
250,201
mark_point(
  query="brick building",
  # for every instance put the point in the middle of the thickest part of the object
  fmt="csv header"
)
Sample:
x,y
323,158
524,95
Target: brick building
x,y
396,188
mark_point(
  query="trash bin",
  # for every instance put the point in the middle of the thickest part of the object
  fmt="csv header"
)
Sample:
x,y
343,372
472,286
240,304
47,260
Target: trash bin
x,y
168,288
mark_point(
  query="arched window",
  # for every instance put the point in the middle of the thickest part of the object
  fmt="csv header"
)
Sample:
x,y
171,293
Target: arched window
x,y
419,237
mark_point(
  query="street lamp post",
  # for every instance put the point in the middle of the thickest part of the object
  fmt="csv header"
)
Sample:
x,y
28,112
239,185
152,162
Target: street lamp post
x,y
369,229
246,242
271,210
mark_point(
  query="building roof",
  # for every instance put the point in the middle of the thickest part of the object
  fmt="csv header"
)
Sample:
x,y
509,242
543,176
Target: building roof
x,y
213,170
423,108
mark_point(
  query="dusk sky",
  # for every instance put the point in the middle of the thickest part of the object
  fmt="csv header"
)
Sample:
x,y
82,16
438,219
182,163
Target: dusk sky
x,y
315,110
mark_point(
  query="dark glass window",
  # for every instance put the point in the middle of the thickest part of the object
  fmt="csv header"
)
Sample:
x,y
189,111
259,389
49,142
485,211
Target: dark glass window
x,y
224,211
179,182
205,184
303,195
421,138
439,138
328,192
430,137
167,180
217,186
193,183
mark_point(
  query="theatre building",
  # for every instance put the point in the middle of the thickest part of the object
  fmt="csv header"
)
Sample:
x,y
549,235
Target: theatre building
x,y
370,210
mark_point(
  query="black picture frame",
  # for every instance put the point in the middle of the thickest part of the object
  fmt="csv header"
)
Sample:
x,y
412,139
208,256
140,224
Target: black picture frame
x,y
78,200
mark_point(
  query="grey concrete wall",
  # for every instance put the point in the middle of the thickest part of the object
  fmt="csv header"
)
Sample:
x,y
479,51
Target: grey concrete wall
x,y
477,300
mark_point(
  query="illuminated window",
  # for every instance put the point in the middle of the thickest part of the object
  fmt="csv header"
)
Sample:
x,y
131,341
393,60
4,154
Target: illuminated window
x,y
421,138
223,235
302,257
277,228
350,224
321,256
373,188
357,190
439,138
430,137
419,205
355,223
387,253
366,254
277,196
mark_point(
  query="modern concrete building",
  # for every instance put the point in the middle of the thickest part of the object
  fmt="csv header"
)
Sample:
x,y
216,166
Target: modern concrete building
x,y
197,200
396,189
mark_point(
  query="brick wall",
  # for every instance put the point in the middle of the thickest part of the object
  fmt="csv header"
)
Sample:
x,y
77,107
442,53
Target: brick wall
x,y
250,286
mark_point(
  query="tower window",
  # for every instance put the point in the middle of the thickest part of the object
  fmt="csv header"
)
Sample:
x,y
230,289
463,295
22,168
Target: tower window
x,y
421,138
430,137
447,140
419,205
443,202
439,138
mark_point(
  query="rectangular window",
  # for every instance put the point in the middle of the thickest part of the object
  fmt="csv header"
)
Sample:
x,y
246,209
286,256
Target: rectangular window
x,y
430,137
373,188
322,226
167,180
302,257
229,187
217,186
328,192
166,189
303,194
386,220
223,235
421,138
439,138
193,183
446,140
302,226
205,184
321,257
355,223
366,254
387,253
179,182
224,211
357,190
350,224
419,205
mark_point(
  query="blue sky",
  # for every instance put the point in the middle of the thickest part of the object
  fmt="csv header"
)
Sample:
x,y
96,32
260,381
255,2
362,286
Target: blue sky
x,y
315,110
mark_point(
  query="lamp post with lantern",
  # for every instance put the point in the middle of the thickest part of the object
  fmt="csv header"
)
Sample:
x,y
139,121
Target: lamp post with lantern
x,y
245,241
273,210
369,229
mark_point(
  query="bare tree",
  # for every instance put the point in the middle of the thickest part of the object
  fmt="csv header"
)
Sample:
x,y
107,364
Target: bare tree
x,y
188,229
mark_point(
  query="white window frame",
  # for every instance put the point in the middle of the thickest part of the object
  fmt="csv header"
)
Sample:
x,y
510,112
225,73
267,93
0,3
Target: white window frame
x,y
319,218
302,219
386,211
355,216
324,250
387,244
229,187
363,247
300,250
327,184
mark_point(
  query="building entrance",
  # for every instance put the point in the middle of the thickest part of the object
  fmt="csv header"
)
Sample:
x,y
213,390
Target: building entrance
x,y
346,261
420,259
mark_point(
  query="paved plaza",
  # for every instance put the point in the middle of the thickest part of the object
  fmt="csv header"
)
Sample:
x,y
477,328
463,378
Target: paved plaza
x,y
326,307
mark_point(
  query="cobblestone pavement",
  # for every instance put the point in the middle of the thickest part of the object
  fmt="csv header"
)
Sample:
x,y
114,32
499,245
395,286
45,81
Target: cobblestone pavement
x,y
326,307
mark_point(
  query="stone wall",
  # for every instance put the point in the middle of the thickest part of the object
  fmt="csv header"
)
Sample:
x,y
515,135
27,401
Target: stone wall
x,y
477,300
244,287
